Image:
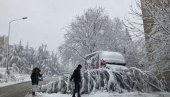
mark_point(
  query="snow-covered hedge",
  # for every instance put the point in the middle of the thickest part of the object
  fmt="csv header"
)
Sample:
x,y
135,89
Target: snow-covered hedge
x,y
109,79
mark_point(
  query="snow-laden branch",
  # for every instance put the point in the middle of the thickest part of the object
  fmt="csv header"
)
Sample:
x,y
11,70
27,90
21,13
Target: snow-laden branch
x,y
111,79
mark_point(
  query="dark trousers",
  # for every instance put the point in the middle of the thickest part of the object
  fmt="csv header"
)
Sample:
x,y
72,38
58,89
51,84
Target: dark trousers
x,y
77,89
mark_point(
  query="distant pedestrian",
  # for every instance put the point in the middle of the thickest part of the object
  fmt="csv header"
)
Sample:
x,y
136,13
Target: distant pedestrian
x,y
35,76
76,76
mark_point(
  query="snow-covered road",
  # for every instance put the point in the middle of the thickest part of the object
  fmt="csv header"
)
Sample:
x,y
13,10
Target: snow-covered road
x,y
19,90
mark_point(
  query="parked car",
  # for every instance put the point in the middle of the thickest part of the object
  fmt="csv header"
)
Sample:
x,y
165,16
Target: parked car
x,y
100,59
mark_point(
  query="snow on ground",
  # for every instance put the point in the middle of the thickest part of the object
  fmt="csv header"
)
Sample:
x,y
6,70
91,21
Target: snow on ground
x,y
106,94
13,79
22,78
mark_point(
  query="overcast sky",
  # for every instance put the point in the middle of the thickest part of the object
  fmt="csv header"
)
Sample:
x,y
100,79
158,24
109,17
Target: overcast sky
x,y
47,19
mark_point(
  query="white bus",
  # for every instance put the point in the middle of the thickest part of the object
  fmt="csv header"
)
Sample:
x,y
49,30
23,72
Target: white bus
x,y
99,59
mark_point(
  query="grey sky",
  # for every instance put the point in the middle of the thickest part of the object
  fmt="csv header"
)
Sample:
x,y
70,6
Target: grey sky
x,y
48,18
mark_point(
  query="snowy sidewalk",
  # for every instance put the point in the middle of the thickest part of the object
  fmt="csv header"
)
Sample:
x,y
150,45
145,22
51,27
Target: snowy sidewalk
x,y
105,94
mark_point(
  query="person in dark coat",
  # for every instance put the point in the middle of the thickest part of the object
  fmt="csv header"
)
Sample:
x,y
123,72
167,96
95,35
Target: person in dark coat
x,y
76,76
35,75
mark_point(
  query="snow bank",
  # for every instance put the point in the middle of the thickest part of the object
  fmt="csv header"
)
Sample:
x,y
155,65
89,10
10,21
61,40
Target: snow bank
x,y
13,78
106,94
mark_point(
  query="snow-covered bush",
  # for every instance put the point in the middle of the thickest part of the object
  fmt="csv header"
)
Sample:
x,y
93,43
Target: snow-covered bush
x,y
61,85
109,79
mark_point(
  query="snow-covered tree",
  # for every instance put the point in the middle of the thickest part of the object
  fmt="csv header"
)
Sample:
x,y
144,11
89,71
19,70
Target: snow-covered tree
x,y
46,61
17,56
155,16
158,40
156,22
94,31
54,63
23,59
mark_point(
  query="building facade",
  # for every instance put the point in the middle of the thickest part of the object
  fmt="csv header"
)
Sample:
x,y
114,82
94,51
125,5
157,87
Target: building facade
x,y
3,41
155,15
3,48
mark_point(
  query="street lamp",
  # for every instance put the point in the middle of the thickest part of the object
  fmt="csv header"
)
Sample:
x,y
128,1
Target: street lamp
x,y
8,40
